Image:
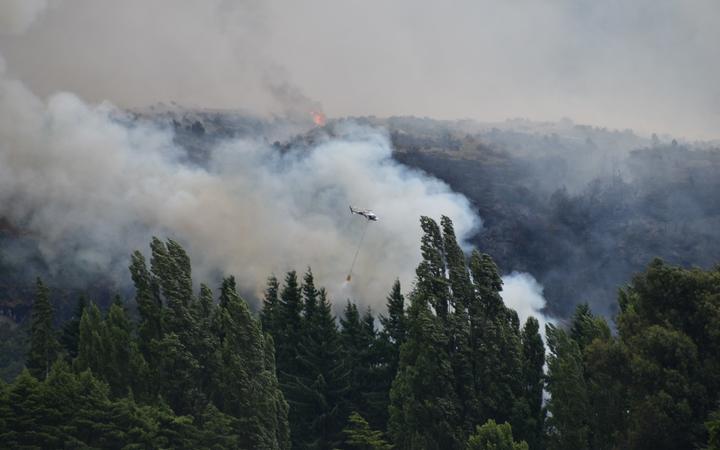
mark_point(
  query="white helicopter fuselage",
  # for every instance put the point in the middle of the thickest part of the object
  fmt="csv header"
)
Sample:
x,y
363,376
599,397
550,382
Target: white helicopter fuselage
x,y
369,215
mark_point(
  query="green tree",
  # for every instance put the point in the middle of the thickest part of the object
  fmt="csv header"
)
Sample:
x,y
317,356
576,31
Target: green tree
x,y
459,327
669,328
368,389
495,340
568,405
359,435
247,387
43,342
586,327
270,314
492,436
71,329
316,390
531,424
430,272
713,427
288,333
424,410
92,353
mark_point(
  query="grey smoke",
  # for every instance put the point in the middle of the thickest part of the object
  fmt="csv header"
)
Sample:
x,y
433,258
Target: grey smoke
x,y
524,294
647,64
16,16
85,180
85,184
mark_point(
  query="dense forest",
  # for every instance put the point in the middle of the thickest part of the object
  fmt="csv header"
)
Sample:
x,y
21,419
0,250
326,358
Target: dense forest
x,y
580,208
448,365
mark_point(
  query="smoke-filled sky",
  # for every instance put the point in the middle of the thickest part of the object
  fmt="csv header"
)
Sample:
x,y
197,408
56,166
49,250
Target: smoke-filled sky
x,y
650,65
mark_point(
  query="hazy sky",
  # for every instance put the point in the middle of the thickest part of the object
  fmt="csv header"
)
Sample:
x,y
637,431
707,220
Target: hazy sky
x,y
650,65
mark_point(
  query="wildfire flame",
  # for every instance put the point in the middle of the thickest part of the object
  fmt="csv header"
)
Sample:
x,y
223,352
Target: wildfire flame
x,y
318,118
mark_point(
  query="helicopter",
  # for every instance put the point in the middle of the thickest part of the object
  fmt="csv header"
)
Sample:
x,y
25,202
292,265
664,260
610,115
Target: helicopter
x,y
366,213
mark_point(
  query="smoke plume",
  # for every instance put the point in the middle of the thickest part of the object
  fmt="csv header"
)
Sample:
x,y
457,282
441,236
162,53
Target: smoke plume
x,y
524,294
86,184
90,184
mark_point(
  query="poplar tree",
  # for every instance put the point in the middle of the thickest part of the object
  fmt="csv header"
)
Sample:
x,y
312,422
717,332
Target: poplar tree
x,y
568,405
530,426
495,340
424,408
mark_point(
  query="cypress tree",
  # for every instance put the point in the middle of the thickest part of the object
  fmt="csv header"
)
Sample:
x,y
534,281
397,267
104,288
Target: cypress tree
x,y
43,343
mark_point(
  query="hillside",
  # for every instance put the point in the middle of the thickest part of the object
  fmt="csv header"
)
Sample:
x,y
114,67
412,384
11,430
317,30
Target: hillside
x,y
578,207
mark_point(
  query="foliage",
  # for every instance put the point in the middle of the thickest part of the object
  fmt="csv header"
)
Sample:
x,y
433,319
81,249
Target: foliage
x,y
360,436
492,436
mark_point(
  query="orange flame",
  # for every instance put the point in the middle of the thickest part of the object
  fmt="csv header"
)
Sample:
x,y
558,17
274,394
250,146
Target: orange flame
x,y
318,118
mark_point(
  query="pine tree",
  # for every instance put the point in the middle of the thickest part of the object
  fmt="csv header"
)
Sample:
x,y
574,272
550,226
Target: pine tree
x,y
71,329
288,333
43,343
270,314
368,389
394,324
315,391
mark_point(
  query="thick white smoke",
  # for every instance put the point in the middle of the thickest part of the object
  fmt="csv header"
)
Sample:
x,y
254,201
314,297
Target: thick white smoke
x,y
524,294
91,186
88,185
